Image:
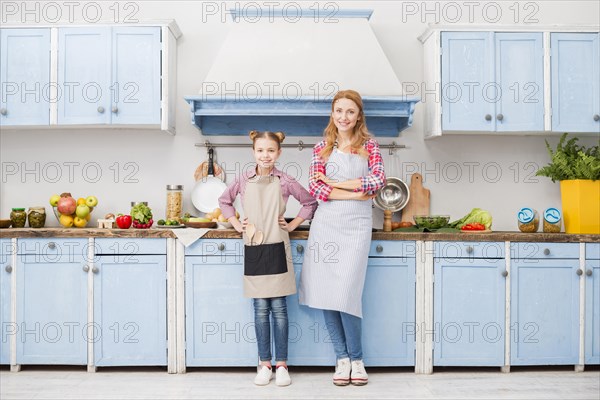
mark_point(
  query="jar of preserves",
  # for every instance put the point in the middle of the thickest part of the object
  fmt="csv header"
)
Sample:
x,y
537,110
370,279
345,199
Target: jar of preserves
x,y
528,219
18,216
174,202
36,217
552,220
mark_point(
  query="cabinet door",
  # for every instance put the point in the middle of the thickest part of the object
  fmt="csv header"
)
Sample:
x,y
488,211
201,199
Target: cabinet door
x,y
51,309
84,75
468,312
135,88
575,82
467,77
25,77
544,312
5,301
219,319
520,78
130,310
592,312
389,312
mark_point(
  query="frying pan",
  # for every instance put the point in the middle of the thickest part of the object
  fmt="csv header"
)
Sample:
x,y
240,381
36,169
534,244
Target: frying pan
x,y
206,192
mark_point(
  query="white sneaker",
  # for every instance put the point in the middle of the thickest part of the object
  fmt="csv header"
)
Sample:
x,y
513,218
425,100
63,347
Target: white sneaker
x,y
341,377
359,375
282,376
264,376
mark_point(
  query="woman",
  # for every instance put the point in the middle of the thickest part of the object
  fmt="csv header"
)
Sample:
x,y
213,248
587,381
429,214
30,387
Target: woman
x,y
345,172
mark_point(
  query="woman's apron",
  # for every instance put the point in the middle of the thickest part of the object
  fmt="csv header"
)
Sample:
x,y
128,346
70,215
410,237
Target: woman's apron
x,y
335,263
268,267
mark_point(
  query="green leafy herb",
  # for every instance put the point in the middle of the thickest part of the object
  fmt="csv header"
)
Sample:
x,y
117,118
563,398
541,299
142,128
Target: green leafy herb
x,y
571,161
141,213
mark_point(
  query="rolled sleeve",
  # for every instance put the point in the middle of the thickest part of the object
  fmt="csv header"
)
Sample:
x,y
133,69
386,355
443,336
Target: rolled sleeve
x,y
228,197
376,178
317,188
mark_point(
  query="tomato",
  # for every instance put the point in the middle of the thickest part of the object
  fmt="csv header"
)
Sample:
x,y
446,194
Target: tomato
x,y
477,226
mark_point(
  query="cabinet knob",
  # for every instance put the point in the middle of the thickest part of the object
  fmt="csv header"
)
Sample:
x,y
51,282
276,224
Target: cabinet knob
x,y
505,273
596,117
300,249
101,110
52,245
221,246
4,111
95,270
588,272
499,117
85,268
469,249
8,269
579,271
115,109
379,248
488,117
546,252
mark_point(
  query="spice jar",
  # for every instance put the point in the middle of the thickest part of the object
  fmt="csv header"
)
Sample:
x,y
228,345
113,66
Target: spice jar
x,y
552,220
529,220
174,202
18,216
36,217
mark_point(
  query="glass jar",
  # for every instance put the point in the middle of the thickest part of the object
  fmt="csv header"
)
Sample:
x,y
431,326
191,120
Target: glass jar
x,y
552,220
528,219
174,202
18,216
36,217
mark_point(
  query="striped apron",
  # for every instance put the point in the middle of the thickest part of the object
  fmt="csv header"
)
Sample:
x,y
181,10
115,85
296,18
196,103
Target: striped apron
x,y
335,263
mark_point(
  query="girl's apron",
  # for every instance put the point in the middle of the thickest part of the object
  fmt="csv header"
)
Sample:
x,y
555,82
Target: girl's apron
x,y
335,265
268,267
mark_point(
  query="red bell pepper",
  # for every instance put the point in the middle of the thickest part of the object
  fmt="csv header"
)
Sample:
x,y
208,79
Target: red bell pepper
x,y
124,221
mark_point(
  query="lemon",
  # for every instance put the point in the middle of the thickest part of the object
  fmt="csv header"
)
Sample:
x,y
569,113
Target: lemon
x,y
80,201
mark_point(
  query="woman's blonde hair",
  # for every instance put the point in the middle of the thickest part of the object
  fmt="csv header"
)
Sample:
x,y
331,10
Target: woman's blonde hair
x,y
361,133
275,136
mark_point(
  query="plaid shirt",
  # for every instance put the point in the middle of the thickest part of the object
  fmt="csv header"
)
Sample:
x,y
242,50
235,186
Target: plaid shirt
x,y
368,184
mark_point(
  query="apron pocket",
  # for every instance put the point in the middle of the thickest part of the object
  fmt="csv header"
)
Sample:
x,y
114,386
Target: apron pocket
x,y
265,259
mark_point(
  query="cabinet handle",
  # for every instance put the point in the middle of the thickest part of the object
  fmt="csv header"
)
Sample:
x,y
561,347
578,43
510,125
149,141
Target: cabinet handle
x,y
86,268
3,111
505,273
488,117
8,269
101,110
499,117
588,272
300,249
221,246
596,117
546,252
115,109
379,248
579,271
469,249
52,245
95,270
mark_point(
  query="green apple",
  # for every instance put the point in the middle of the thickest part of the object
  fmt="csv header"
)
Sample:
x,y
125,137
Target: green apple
x,y
54,200
91,201
82,211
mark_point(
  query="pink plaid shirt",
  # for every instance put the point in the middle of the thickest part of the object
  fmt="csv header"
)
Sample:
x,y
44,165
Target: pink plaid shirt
x,y
368,184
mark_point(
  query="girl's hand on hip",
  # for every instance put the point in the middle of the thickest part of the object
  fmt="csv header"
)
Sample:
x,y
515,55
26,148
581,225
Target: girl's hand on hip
x,y
282,223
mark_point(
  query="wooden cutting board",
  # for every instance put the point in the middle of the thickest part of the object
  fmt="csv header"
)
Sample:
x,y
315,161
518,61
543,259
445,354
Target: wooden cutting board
x,y
418,204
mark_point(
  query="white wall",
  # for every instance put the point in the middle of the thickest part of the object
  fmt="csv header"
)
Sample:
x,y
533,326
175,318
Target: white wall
x,y
494,173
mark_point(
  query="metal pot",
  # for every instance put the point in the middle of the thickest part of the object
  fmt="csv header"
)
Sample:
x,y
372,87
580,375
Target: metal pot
x,y
393,196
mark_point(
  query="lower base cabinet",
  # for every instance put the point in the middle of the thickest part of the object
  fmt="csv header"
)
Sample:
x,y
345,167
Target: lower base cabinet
x,y
6,269
592,303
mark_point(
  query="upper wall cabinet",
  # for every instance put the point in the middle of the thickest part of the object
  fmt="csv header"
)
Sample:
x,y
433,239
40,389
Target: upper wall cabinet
x,y
100,76
575,82
511,81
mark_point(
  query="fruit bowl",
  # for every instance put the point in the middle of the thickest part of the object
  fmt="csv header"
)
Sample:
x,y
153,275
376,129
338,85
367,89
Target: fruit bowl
x,y
71,212
431,221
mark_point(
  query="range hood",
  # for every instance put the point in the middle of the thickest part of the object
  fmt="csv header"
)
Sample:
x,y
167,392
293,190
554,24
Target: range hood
x,y
275,74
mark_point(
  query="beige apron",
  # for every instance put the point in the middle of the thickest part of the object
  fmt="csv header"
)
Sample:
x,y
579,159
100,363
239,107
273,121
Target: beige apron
x,y
268,267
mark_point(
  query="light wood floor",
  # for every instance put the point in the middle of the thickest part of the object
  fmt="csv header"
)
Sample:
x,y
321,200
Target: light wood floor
x,y
236,383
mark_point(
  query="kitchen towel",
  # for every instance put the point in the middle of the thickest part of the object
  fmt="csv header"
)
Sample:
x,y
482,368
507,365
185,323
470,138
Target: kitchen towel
x,y
190,235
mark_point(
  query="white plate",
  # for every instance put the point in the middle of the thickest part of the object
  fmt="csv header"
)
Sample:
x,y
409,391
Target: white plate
x,y
169,226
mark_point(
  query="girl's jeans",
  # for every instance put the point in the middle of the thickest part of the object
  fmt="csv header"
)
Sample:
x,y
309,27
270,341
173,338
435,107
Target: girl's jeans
x,y
277,307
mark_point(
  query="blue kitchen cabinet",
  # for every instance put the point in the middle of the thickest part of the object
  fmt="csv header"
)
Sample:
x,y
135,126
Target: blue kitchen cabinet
x,y
6,270
469,298
52,301
575,70
592,303
219,319
492,81
25,77
130,310
544,303
109,75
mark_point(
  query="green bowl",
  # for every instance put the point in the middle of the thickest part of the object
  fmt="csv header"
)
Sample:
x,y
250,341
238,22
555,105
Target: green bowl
x,y
431,221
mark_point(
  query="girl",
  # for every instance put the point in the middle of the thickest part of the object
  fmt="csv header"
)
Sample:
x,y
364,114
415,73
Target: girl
x,y
345,172
268,269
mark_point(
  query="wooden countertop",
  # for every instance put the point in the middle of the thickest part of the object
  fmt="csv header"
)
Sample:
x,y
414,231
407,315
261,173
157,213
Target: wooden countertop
x,y
303,234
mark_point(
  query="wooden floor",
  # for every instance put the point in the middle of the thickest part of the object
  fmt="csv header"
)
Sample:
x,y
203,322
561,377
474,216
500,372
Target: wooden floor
x,y
236,383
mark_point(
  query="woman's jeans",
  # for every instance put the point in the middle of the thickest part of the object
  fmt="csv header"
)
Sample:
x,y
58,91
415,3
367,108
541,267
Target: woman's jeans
x,y
345,332
277,306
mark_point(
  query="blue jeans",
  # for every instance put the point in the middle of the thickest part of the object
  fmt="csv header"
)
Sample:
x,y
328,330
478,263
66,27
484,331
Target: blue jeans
x,y
345,331
276,306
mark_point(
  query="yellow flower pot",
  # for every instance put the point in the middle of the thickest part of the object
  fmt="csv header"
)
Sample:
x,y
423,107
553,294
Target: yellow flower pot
x,y
581,205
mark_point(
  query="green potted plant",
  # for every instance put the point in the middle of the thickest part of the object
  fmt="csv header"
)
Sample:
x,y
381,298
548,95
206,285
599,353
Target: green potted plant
x,y
578,170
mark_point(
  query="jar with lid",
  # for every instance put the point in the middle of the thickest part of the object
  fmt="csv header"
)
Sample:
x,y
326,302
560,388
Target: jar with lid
x,y
528,219
552,220
18,216
174,202
36,217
